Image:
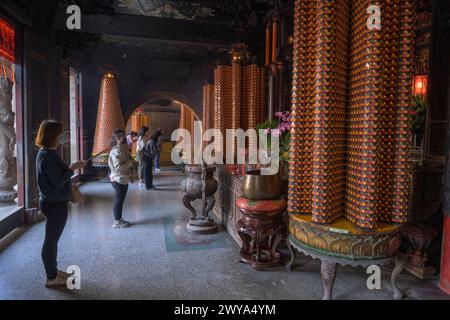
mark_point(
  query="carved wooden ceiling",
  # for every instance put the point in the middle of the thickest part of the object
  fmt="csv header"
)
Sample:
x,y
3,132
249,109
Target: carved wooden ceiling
x,y
212,11
163,29
203,26
219,11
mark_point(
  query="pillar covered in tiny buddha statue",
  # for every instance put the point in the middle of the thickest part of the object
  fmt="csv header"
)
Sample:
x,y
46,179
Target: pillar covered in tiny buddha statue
x,y
351,105
444,278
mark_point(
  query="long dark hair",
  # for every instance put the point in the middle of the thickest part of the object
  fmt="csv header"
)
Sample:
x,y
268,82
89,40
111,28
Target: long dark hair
x,y
117,134
143,131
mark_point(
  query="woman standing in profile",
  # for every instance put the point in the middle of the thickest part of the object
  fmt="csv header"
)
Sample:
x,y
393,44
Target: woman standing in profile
x,y
55,191
143,137
120,163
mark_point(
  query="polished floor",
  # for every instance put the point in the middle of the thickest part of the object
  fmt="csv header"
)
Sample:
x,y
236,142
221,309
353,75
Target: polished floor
x,y
157,259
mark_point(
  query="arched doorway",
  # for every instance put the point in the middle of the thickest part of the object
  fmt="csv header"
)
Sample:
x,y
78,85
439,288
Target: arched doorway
x,y
167,111
167,95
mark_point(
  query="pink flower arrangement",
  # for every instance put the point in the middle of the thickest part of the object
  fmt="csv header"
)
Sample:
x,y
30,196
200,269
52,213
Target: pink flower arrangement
x,y
285,121
283,116
279,128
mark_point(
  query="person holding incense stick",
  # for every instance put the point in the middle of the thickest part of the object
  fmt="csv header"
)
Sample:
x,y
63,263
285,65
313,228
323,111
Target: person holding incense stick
x,y
120,163
55,192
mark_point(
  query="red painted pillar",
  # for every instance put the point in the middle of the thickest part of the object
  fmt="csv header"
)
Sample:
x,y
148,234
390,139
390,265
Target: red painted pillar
x,y
444,282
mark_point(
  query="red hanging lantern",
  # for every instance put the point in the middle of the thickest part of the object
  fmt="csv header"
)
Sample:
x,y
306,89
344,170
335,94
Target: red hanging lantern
x,y
420,85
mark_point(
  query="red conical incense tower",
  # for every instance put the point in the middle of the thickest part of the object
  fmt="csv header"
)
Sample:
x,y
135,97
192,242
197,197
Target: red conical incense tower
x,y
109,118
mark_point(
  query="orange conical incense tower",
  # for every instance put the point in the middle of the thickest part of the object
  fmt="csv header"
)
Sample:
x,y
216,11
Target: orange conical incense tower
x,y
109,118
138,120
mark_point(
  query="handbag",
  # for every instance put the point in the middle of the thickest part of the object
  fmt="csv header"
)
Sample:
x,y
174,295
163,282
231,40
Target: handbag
x,y
77,196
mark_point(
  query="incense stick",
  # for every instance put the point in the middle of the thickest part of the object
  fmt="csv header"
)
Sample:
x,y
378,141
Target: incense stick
x,y
97,154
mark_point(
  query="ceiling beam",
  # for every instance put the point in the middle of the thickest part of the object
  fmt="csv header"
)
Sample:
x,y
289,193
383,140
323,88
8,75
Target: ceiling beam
x,y
154,28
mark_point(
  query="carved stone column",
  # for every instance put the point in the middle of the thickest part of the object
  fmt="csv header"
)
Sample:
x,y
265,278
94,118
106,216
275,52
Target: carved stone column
x,y
8,172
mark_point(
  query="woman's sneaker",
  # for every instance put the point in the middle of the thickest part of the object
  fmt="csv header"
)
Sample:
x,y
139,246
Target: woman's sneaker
x,y
59,281
121,224
125,222
64,274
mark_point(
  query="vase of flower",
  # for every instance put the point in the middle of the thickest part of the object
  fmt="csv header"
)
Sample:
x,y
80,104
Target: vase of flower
x,y
279,128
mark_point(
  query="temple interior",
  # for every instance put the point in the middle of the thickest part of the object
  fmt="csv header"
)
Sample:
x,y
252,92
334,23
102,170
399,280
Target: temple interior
x,y
303,148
